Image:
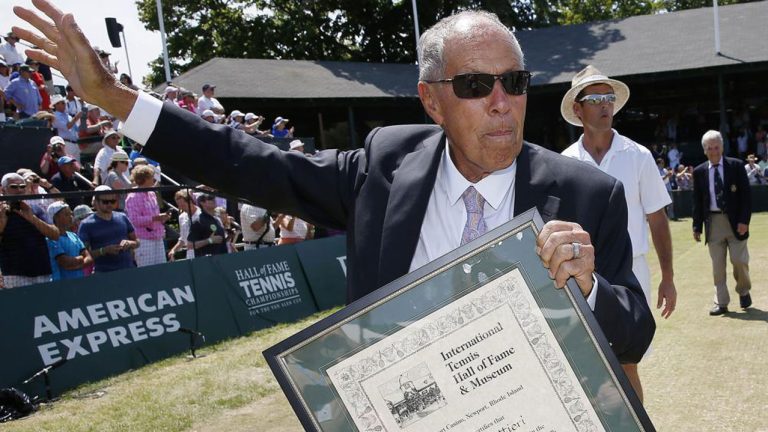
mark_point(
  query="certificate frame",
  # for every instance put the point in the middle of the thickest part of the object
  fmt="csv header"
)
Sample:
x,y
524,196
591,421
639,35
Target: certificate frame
x,y
308,365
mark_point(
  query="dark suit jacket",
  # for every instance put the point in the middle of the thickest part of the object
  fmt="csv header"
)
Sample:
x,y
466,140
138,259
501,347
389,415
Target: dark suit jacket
x,y
379,194
738,196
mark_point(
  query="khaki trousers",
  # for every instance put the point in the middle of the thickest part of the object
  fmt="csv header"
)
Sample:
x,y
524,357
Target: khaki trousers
x,y
722,241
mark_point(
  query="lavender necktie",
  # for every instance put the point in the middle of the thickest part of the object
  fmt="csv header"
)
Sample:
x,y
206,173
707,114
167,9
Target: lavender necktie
x,y
475,226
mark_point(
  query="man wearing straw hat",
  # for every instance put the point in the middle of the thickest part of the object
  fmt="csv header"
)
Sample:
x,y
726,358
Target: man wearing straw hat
x,y
591,103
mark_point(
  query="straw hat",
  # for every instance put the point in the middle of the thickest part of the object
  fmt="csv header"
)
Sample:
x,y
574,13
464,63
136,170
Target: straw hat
x,y
587,77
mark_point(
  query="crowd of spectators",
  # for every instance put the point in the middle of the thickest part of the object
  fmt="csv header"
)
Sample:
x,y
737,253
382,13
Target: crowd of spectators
x,y
106,224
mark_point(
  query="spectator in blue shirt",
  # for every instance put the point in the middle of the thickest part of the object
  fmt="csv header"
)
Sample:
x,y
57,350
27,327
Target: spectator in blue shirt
x,y
279,130
108,235
23,93
68,254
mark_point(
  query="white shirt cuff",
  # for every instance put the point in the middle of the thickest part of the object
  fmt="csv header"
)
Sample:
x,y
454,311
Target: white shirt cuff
x,y
592,297
142,118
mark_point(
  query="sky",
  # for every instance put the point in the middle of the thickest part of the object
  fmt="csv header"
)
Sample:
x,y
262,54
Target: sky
x,y
143,45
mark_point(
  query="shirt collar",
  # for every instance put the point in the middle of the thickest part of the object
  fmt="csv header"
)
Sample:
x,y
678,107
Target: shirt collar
x,y
493,187
618,144
720,162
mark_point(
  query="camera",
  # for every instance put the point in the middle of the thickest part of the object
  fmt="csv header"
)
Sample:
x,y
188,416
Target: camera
x,y
15,205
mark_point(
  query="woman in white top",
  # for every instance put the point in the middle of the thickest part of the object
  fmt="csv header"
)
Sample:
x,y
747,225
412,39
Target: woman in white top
x,y
117,177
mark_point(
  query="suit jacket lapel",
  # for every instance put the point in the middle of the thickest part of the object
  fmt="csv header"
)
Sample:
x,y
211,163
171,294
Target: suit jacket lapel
x,y
532,185
412,185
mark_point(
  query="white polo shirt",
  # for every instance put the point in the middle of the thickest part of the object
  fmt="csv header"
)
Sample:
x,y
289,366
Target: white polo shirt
x,y
633,165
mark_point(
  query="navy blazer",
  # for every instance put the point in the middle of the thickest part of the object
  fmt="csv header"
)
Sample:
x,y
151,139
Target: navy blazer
x,y
379,194
737,191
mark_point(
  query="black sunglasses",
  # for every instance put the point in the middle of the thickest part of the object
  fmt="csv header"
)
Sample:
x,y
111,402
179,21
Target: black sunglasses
x,y
477,85
17,186
108,201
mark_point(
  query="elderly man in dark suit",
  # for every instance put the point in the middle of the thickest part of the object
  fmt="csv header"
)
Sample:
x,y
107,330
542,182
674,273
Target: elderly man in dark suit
x,y
722,203
413,193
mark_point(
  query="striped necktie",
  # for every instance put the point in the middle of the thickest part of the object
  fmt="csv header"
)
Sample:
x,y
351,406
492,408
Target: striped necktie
x,y
719,196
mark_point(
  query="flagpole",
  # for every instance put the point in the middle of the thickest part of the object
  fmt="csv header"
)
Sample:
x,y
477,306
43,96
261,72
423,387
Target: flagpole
x,y
162,37
415,22
717,27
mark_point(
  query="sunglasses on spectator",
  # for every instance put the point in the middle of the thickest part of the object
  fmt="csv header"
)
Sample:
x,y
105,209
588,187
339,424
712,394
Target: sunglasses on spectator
x,y
108,201
478,85
598,99
17,186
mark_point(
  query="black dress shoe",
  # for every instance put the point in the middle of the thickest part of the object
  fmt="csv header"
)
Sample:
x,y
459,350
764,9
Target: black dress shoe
x,y
718,310
745,301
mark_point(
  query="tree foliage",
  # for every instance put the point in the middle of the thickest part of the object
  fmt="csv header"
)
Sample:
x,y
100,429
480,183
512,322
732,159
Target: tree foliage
x,y
348,30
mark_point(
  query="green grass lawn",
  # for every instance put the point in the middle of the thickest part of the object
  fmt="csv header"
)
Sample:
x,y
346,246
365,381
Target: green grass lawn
x,y
705,373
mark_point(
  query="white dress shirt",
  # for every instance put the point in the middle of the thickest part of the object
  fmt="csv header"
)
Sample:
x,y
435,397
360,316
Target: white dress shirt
x,y
446,214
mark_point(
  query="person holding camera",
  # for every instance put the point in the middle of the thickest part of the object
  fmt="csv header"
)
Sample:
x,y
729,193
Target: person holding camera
x,y
23,231
258,228
66,125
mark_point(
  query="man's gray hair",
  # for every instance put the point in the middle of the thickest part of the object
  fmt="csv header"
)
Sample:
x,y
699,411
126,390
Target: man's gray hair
x,y
711,135
11,176
432,41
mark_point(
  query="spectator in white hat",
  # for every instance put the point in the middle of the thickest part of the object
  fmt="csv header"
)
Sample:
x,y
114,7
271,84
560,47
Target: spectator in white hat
x,y
252,123
296,145
170,93
104,157
117,177
236,120
66,125
68,254
53,151
208,116
10,52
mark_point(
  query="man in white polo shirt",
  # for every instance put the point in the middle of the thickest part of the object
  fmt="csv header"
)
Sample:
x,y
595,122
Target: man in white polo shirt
x,y
591,103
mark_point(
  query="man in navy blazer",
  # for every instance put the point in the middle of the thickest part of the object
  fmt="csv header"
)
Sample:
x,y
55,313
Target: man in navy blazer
x,y
413,193
722,203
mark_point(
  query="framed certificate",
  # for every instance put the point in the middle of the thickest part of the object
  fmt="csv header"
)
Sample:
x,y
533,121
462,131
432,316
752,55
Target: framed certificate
x,y
478,340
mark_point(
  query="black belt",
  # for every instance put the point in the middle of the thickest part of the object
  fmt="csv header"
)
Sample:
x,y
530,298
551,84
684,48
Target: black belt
x,y
717,212
259,243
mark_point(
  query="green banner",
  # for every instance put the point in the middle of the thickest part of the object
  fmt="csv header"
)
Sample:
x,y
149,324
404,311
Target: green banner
x,y
108,323
325,264
95,327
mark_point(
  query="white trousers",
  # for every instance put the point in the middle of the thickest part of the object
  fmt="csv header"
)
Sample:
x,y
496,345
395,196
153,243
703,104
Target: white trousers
x,y
150,252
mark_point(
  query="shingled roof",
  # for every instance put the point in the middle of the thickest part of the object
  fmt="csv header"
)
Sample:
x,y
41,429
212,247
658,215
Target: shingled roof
x,y
649,44
633,46
301,79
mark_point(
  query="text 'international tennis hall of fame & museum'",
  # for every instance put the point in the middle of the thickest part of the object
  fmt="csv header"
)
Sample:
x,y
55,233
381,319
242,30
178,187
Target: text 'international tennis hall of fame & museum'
x,y
487,362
